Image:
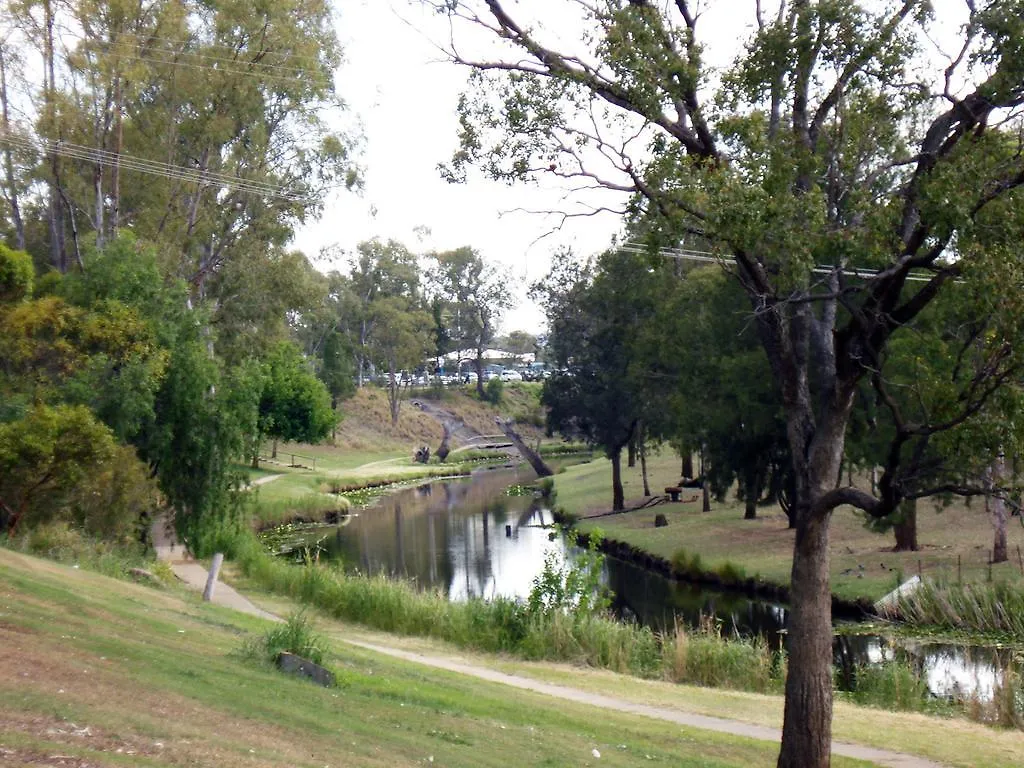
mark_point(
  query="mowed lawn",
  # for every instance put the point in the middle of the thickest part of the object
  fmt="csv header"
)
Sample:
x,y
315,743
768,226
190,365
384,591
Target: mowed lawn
x,y
863,563
106,673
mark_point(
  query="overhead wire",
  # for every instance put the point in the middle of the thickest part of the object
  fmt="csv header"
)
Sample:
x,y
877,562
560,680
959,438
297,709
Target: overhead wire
x,y
241,66
176,42
710,258
142,165
251,73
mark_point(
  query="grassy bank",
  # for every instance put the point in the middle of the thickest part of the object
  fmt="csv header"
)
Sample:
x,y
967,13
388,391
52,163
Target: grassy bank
x,y
701,657
963,743
863,565
507,626
304,495
108,673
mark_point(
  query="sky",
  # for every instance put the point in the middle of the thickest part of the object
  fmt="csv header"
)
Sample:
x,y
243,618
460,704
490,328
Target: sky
x,y
404,93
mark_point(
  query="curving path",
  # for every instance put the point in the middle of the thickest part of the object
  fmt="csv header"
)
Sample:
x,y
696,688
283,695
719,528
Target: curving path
x,y
194,576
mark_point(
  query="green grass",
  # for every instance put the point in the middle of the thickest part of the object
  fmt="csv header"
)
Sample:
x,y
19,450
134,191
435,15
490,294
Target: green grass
x,y
506,626
111,673
963,743
763,547
295,635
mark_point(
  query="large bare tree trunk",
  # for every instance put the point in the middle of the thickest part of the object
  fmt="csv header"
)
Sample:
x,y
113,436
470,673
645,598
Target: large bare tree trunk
x,y
394,396
480,373
687,464
807,725
906,528
115,184
58,255
444,448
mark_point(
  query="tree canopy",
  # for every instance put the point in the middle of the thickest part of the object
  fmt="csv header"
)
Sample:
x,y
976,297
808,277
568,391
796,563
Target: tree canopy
x,y
845,178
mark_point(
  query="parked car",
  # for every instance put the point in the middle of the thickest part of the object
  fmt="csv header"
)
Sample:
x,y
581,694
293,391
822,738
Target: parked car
x,y
468,377
507,376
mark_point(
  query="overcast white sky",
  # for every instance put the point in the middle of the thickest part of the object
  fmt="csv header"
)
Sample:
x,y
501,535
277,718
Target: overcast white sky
x,y
405,95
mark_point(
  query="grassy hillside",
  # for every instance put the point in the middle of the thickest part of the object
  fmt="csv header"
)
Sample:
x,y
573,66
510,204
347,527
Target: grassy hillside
x,y
104,673
368,450
367,419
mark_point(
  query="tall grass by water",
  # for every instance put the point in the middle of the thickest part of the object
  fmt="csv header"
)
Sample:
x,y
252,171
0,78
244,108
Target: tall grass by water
x,y
996,608
504,625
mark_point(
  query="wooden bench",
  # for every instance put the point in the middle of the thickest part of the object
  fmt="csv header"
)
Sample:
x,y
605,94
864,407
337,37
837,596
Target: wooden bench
x,y
673,492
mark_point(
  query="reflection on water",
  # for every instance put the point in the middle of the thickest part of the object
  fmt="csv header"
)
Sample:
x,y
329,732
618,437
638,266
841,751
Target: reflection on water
x,y
468,538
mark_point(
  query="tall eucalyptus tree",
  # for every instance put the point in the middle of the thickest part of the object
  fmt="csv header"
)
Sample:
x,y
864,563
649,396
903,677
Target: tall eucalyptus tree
x,y
834,141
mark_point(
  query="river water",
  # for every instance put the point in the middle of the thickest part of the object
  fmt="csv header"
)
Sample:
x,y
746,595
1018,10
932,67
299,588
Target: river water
x,y
471,538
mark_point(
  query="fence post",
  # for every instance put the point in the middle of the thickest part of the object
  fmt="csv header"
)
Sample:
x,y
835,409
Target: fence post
x,y
959,573
919,568
211,579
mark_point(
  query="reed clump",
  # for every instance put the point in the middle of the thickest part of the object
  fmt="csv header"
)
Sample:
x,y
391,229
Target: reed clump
x,y
996,608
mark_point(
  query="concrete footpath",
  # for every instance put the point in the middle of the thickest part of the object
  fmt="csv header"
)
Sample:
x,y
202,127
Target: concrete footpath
x,y
194,575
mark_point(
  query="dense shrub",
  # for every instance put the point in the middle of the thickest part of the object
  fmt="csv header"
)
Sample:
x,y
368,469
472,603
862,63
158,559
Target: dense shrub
x,y
494,390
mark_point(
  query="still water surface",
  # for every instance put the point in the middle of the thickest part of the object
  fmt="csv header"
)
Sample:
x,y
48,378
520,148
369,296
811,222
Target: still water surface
x,y
471,538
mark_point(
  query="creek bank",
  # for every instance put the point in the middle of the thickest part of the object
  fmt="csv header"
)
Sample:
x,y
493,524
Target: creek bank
x,y
748,586
371,489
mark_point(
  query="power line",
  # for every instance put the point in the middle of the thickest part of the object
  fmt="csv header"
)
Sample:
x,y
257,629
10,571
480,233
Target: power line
x,y
238,66
172,43
110,159
250,73
709,258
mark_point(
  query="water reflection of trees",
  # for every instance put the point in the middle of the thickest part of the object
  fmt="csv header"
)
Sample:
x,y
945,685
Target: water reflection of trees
x,y
451,535
439,534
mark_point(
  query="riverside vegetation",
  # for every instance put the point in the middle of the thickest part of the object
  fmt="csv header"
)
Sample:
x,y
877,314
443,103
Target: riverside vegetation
x,y
112,684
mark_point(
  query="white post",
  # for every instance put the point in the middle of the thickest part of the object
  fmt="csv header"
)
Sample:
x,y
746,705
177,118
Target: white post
x,y
211,580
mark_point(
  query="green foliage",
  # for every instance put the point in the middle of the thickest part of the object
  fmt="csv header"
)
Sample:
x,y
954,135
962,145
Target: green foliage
x,y
686,564
507,626
293,403
715,378
470,297
296,635
199,433
704,657
892,684
118,500
731,573
65,543
573,587
16,275
44,456
336,369
597,313
493,391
